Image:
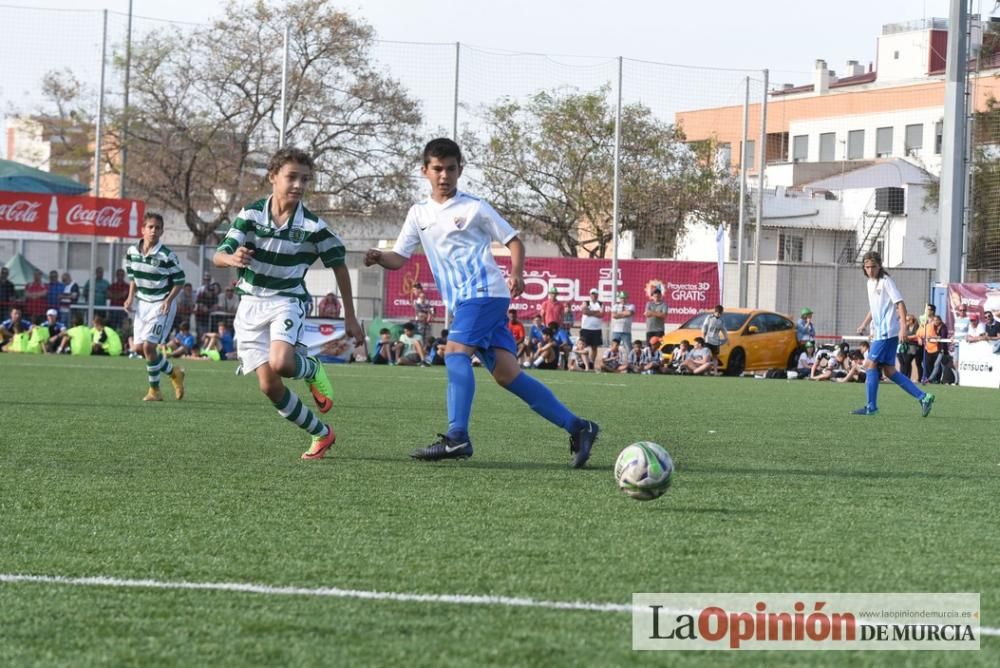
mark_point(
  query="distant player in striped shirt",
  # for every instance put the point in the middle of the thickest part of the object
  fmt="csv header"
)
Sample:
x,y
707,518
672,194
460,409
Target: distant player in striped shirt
x,y
155,278
456,230
886,310
272,244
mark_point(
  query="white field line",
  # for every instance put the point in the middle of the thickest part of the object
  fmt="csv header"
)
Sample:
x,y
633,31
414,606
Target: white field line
x,y
336,592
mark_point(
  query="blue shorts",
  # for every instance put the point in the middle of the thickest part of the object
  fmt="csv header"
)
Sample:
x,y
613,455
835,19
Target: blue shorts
x,y
883,351
482,324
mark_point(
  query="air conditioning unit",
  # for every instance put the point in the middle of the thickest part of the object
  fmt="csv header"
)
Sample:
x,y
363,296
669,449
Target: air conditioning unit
x,y
890,200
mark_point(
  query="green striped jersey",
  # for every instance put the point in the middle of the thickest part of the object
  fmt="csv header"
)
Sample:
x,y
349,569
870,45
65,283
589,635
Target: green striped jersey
x,y
281,255
155,273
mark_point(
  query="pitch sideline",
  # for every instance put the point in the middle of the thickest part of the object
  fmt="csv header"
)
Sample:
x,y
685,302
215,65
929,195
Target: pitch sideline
x,y
336,592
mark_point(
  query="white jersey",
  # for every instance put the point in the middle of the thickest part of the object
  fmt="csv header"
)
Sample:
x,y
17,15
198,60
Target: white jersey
x,y
883,295
456,238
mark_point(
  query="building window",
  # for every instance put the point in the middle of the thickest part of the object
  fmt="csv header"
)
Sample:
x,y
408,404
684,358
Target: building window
x,y
789,248
914,139
748,155
827,146
800,148
724,156
938,134
855,144
883,143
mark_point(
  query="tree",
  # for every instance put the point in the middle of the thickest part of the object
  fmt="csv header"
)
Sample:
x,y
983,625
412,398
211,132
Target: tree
x,y
205,113
548,167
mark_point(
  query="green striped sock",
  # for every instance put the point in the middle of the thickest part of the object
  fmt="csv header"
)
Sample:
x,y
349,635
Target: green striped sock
x,y
304,366
153,372
292,409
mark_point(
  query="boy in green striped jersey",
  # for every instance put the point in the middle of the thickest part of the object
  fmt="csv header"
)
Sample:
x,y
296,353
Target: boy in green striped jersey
x,y
272,243
155,278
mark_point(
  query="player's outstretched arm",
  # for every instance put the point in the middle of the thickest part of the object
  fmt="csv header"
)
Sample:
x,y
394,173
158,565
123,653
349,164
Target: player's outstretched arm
x,y
388,259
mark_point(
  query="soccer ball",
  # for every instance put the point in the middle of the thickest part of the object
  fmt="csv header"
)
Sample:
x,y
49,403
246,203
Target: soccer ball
x,y
643,470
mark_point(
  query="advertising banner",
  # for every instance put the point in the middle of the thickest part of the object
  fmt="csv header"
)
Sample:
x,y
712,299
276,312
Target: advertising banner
x,y
70,214
688,287
325,337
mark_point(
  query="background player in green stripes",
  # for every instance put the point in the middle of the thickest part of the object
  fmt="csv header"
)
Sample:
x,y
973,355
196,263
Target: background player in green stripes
x,y
272,244
155,278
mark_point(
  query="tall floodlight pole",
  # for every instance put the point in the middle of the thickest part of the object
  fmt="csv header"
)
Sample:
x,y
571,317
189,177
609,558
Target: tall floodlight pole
x,y
953,142
762,163
122,192
99,130
284,90
616,190
741,292
454,107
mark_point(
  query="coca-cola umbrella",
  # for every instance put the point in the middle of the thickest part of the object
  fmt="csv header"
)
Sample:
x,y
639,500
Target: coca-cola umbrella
x,y
16,177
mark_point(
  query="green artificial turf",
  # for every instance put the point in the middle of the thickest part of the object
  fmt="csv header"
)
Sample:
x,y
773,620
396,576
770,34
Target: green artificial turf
x,y
777,488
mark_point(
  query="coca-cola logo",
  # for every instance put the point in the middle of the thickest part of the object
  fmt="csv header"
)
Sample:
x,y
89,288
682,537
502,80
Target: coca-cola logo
x,y
106,216
20,211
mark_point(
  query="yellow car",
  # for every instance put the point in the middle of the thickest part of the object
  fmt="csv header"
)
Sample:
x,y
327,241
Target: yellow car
x,y
758,340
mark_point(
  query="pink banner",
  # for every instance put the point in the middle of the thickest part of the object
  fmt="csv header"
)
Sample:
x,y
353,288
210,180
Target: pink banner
x,y
977,298
688,287
70,214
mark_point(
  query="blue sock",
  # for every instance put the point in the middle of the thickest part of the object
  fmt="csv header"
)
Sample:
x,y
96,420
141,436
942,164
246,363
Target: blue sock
x,y
904,382
871,386
543,402
461,391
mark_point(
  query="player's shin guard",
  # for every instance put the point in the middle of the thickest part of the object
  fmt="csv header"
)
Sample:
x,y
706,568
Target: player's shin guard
x,y
871,386
304,366
153,371
292,409
460,393
544,402
904,382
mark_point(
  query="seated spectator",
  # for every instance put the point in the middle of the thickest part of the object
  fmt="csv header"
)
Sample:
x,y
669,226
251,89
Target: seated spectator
x,y
547,354
105,341
55,329
385,349
516,328
806,360
700,360
856,365
829,366
410,347
219,345
579,358
437,350
7,326
564,343
182,345
977,329
38,337
614,359
77,339
329,306
535,335
651,360
677,358
19,339
634,357
992,326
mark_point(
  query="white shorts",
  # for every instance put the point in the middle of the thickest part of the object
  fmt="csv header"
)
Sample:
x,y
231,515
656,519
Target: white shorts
x,y
261,320
150,324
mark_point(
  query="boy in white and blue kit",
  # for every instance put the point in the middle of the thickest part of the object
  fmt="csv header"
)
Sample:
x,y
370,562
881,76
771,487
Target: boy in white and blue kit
x,y
456,230
886,311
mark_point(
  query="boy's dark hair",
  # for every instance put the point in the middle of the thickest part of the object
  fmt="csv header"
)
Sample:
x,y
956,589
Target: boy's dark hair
x,y
441,148
98,320
685,343
637,342
40,319
554,326
932,308
288,154
384,330
153,216
185,326
700,340
78,321
410,326
873,256
546,330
